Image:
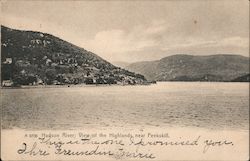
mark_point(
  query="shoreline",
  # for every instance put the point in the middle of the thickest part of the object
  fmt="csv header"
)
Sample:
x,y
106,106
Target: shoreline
x,y
72,85
105,85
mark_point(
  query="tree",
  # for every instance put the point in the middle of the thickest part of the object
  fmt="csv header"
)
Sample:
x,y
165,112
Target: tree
x,y
50,75
88,81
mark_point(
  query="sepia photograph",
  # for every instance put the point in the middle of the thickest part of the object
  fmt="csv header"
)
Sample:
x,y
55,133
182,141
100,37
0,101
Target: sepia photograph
x,y
124,80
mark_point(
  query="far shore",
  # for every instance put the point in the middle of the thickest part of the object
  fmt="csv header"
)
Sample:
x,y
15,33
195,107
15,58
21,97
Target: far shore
x,y
71,85
105,85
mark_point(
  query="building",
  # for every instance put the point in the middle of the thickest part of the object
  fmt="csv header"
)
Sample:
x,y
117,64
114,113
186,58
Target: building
x,y
48,62
7,83
40,81
8,61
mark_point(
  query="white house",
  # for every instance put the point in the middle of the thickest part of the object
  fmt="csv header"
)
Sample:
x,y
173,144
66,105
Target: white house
x,y
8,61
7,83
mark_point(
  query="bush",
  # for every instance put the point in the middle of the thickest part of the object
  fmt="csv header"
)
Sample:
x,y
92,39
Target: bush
x,y
88,81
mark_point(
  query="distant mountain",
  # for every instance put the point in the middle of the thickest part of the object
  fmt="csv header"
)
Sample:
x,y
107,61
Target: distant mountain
x,y
31,58
193,68
120,64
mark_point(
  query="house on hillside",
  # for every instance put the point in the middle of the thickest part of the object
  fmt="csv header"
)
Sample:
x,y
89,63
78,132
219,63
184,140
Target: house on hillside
x,y
48,62
7,83
40,81
8,61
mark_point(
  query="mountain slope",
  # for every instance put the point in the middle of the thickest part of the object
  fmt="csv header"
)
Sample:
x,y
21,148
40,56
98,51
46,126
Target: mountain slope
x,y
30,58
193,68
244,78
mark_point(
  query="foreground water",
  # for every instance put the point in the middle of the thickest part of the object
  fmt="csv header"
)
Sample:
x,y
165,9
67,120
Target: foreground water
x,y
169,104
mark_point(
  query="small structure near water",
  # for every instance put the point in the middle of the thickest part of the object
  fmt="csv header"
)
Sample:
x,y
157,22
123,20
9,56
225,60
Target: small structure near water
x,y
7,83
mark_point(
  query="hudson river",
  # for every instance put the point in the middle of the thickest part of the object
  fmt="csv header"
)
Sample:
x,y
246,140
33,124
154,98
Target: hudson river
x,y
207,105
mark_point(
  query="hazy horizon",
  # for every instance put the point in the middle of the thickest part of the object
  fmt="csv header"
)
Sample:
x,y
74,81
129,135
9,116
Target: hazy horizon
x,y
129,31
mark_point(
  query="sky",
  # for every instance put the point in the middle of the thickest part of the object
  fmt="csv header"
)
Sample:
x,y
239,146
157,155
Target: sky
x,y
140,30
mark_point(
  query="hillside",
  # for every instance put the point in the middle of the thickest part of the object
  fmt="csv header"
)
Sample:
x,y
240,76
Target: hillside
x,y
193,68
33,58
244,78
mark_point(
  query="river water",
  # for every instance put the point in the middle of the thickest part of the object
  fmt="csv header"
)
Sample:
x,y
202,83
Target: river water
x,y
207,105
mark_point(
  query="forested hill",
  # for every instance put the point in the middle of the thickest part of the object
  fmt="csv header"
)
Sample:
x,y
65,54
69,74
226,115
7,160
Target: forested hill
x,y
33,58
194,68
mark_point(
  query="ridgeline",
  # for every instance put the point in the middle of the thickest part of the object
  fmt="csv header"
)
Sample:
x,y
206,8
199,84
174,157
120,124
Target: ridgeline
x,y
215,68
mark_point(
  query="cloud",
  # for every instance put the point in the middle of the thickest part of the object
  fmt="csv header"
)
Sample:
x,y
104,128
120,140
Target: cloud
x,y
237,42
157,27
188,43
116,42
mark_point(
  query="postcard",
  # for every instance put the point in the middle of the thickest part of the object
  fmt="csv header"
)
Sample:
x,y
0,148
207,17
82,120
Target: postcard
x,y
124,80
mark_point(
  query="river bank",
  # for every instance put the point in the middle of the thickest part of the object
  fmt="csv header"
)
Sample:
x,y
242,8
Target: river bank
x,y
74,85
